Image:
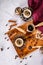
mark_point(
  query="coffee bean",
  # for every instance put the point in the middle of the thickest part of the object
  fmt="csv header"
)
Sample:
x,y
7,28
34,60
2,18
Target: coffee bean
x,y
25,64
1,49
34,44
4,33
8,47
5,37
30,56
20,61
25,57
6,25
30,47
16,56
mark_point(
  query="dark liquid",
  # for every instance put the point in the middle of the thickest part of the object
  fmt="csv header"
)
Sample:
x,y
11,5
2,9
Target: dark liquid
x,y
19,42
30,28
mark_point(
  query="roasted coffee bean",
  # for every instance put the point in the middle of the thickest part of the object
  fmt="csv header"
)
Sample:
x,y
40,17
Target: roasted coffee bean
x,y
25,64
1,49
30,47
8,47
20,61
6,25
16,56
30,56
34,44
5,37
25,57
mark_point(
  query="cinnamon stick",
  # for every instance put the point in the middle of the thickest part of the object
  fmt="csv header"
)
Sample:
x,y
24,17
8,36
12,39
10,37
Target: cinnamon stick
x,y
11,21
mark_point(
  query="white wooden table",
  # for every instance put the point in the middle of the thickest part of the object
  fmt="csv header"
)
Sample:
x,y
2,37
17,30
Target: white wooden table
x,y
7,56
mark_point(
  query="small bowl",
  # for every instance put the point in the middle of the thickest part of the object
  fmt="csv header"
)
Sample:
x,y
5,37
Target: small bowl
x,y
18,11
26,14
30,28
19,42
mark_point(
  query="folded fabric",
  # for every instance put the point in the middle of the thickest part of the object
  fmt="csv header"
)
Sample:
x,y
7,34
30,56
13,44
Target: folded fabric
x,y
40,28
37,6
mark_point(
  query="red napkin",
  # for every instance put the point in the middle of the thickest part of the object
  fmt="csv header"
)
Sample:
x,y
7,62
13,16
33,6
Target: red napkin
x,y
37,6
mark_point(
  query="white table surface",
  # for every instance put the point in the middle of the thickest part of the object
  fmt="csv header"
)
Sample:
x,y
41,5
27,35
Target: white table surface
x,y
7,56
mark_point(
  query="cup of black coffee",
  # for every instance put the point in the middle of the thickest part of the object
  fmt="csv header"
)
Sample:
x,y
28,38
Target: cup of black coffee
x,y
30,28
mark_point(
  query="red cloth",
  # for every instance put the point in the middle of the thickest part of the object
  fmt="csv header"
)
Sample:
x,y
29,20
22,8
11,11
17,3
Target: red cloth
x,y
37,6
